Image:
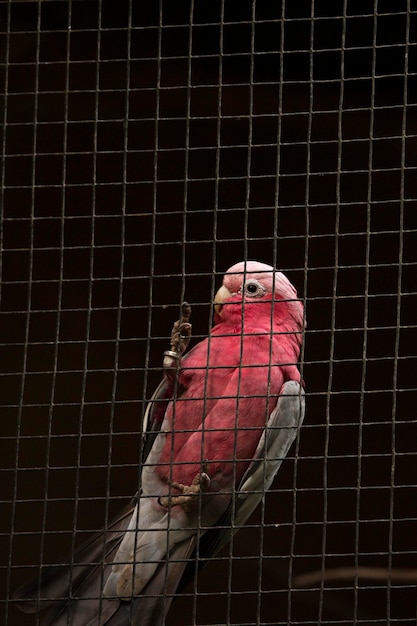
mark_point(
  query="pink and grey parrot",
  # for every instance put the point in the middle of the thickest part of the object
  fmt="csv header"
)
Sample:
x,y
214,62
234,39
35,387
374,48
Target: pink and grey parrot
x,y
216,431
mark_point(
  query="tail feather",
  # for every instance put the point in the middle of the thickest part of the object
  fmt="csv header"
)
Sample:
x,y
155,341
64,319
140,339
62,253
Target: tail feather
x,y
86,606
152,606
71,593
78,580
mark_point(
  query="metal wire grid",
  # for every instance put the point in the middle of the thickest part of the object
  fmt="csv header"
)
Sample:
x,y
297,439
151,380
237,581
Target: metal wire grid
x,y
146,150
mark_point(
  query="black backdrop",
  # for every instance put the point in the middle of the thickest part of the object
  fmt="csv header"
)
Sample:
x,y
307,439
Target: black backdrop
x,y
147,147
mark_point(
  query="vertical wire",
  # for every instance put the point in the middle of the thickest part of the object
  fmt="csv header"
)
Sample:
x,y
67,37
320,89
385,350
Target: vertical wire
x,y
234,434
198,529
90,288
230,545
365,317
398,311
291,549
338,200
153,247
333,318
183,286
218,152
242,333
4,126
19,416
154,208
214,258
60,288
246,235
172,460
275,251
187,152
186,171
214,266
119,303
154,197
331,361
147,363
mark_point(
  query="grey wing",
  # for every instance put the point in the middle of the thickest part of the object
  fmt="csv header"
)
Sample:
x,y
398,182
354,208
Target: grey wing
x,y
277,438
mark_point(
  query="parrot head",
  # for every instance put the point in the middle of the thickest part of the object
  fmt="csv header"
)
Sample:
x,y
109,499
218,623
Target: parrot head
x,y
254,288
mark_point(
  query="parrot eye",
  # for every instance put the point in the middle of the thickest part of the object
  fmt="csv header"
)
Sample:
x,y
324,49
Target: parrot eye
x,y
254,289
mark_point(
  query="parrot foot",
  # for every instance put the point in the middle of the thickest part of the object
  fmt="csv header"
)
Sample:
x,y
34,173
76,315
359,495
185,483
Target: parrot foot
x,y
200,484
180,338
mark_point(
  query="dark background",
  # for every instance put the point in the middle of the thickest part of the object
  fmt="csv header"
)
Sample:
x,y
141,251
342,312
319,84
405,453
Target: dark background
x,y
148,147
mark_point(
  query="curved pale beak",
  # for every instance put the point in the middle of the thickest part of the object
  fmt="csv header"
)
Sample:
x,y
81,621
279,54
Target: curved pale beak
x,y
221,296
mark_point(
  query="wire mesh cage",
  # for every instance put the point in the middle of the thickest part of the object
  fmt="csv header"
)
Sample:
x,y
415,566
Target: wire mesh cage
x,y
147,147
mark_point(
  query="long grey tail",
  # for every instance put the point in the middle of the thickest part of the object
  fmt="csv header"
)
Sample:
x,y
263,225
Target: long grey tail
x,y
70,594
